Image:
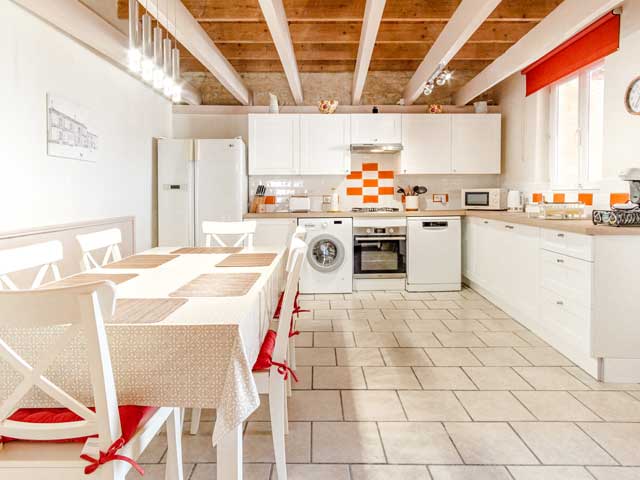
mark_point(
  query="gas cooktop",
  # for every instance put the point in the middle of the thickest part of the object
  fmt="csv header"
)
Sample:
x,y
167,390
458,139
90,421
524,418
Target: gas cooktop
x,y
374,209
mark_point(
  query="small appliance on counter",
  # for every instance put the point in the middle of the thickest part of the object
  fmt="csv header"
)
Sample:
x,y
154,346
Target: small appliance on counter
x,y
515,201
625,214
299,203
484,199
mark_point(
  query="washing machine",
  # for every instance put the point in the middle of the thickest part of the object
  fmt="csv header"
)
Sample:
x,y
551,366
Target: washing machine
x,y
329,265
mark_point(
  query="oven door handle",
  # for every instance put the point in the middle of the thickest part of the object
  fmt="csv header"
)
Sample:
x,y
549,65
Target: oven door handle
x,y
377,239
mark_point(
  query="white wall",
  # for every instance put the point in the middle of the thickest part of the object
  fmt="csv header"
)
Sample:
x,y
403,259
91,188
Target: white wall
x,y
41,190
525,120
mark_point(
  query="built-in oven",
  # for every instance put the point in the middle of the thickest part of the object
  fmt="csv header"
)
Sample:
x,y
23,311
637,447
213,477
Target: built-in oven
x,y
379,248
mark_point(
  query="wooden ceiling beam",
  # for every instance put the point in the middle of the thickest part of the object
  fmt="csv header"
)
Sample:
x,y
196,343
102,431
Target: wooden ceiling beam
x,y
370,24
469,15
561,24
276,19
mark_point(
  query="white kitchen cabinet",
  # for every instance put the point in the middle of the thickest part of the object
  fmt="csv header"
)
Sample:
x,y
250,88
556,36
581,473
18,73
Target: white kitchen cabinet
x,y
324,144
475,143
426,141
274,144
274,231
376,128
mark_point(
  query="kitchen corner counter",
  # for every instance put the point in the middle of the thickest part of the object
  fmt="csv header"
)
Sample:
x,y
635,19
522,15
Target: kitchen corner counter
x,y
583,227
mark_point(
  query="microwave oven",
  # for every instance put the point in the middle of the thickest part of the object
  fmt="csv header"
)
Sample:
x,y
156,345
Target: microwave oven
x,y
484,199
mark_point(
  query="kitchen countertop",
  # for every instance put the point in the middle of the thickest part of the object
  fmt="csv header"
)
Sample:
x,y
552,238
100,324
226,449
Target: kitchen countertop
x,y
583,227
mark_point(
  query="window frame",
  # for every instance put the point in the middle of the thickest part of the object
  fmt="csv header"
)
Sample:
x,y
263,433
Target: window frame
x,y
584,82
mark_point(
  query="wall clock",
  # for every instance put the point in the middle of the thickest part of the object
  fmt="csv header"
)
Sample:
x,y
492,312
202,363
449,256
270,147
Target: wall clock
x,y
632,99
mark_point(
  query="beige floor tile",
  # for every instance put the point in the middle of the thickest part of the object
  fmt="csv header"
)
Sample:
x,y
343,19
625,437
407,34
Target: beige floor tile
x,y
310,325
388,296
470,294
448,296
559,443
390,378
594,384
434,406
379,304
461,339
155,450
421,325
251,471
496,378
315,304
502,339
351,325
612,406
417,443
157,471
329,296
314,472
418,296
478,303
500,357
389,472
358,296
330,314
375,339
375,406
262,413
345,304
439,314
495,313
452,357
544,357
407,304
336,378
417,339
532,339
390,325
315,356
550,378
615,473
441,304
258,443
443,378
390,314
487,443
621,440
494,325
493,406
635,394
315,405
347,442
468,314
305,376
305,339
556,406
468,472
333,339
365,314
464,325
405,357
549,473
359,357
197,448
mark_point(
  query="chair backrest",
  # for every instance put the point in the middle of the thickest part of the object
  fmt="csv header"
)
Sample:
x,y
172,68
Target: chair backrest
x,y
44,255
299,255
213,230
109,239
82,309
300,233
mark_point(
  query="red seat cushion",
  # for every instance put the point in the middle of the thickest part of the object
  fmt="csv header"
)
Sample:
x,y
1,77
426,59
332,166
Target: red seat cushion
x,y
265,356
131,418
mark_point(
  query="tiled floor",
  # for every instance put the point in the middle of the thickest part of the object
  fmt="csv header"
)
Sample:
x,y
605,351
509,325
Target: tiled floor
x,y
441,386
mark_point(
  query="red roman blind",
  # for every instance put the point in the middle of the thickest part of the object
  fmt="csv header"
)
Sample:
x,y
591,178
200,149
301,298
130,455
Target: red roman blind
x,y
598,40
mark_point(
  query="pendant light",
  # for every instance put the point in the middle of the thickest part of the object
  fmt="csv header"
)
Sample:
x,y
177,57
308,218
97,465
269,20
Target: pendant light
x,y
147,47
176,96
167,87
158,66
134,54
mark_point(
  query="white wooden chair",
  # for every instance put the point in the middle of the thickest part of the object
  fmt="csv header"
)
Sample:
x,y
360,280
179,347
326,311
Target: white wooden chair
x,y
44,255
301,234
272,370
213,230
90,242
82,310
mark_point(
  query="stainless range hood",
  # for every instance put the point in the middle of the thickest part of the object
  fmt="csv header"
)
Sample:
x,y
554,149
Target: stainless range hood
x,y
376,147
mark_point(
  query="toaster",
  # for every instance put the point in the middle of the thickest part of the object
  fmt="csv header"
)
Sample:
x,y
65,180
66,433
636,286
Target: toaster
x,y
299,203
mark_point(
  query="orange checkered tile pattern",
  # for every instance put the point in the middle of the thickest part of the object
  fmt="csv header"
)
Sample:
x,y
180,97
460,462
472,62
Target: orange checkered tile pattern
x,y
370,183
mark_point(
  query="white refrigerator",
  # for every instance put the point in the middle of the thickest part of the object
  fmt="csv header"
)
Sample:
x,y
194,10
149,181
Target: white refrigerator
x,y
199,179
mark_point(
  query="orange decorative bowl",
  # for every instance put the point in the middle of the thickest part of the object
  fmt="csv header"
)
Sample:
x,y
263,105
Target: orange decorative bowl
x,y
327,106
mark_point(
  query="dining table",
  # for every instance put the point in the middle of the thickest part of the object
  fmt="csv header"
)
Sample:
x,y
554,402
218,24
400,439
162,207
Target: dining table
x,y
187,328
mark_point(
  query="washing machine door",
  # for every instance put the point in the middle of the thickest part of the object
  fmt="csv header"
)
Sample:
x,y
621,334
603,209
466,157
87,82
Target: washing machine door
x,y
326,253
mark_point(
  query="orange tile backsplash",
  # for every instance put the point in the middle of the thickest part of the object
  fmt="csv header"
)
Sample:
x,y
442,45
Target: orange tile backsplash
x,y
370,167
370,199
586,198
386,191
353,191
618,198
369,182
537,198
558,197
385,174
354,176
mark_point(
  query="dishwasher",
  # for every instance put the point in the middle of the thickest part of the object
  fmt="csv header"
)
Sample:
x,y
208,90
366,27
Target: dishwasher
x,y
434,251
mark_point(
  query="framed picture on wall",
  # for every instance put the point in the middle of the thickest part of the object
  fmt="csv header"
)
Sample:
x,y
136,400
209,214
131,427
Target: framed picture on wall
x,y
69,130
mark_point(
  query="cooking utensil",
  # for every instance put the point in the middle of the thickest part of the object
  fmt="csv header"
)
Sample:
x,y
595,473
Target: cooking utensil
x,y
401,191
419,190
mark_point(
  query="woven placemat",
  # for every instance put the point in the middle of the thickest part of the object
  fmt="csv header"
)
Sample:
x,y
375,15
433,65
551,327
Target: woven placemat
x,y
82,278
145,310
142,261
218,285
207,250
248,260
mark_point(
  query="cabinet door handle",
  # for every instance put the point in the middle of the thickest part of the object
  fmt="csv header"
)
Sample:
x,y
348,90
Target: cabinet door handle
x,y
561,235
559,302
485,222
559,260
509,227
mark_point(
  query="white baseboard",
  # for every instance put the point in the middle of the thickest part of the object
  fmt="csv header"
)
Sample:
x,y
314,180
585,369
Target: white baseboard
x,y
378,284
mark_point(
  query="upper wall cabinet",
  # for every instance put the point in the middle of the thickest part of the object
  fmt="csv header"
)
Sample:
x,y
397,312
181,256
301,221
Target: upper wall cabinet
x,y
376,128
274,144
324,144
475,143
426,141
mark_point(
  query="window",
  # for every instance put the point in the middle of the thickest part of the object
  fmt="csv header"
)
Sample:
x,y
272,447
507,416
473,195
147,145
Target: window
x,y
577,114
